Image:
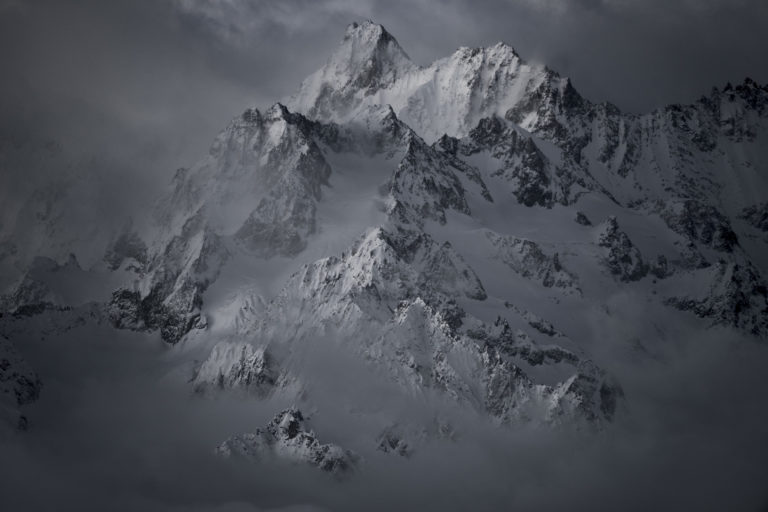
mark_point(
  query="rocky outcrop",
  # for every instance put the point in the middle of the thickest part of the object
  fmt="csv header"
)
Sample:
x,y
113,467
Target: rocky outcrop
x,y
581,218
756,215
261,181
288,438
622,258
428,184
521,165
171,298
527,258
237,365
737,296
285,216
528,173
700,223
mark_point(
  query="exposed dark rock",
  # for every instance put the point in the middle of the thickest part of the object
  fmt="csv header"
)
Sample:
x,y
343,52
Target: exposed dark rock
x,y
288,438
127,245
701,223
660,268
582,219
528,259
756,215
237,365
737,297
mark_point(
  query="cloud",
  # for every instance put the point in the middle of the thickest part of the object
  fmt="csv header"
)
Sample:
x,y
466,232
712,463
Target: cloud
x,y
118,428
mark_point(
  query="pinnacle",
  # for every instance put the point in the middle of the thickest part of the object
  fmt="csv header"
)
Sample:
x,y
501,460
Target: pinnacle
x,y
366,27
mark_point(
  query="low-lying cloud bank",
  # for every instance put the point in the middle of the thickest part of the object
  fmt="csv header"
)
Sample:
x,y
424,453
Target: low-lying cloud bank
x,y
118,428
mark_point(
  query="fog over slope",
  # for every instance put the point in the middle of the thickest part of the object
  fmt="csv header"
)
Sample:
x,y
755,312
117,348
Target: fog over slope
x,y
110,431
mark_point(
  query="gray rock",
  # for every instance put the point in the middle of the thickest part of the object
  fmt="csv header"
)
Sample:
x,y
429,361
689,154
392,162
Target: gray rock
x,y
622,258
288,438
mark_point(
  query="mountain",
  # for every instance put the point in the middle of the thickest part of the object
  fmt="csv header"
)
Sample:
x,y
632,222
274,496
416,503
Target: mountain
x,y
287,438
19,385
449,97
473,232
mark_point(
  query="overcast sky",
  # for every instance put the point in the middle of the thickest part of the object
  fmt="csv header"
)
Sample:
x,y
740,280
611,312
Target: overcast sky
x,y
154,80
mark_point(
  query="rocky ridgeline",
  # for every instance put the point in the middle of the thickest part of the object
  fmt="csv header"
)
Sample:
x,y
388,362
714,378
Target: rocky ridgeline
x,y
622,258
19,386
288,438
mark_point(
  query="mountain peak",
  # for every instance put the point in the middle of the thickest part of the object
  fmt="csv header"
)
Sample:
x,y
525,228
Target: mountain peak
x,y
276,112
368,59
367,30
499,54
370,36
368,56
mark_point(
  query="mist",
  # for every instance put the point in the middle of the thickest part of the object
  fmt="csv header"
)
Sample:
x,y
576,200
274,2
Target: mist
x,y
119,427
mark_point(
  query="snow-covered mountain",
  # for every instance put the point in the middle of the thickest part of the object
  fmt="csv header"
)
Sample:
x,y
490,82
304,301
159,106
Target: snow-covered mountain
x,y
464,231
287,438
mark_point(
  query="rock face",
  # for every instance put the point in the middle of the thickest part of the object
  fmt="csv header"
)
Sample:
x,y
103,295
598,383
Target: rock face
x,y
701,223
257,190
233,365
756,215
288,438
531,176
527,259
582,219
737,296
174,285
